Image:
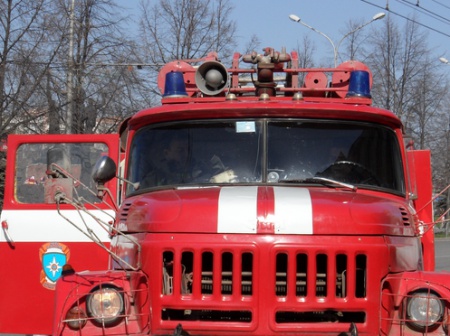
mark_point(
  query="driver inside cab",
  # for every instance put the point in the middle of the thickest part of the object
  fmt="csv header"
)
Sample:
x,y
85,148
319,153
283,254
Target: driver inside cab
x,y
176,165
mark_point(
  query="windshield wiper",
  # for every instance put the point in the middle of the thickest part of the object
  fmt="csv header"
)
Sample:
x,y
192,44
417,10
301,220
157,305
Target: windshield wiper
x,y
324,181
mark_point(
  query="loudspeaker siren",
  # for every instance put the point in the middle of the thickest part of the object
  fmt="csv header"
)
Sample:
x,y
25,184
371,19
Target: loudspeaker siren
x,y
211,77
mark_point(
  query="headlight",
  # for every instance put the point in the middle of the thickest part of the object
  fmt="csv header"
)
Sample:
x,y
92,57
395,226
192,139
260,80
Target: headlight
x,y
106,306
76,318
424,310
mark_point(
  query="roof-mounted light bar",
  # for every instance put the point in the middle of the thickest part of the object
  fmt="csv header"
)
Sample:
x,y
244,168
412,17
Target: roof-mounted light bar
x,y
276,73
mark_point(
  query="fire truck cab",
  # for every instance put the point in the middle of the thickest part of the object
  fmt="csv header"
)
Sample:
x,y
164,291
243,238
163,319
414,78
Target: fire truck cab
x,y
261,200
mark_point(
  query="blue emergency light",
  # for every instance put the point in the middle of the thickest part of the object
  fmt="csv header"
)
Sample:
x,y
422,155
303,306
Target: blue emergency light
x,y
174,86
359,85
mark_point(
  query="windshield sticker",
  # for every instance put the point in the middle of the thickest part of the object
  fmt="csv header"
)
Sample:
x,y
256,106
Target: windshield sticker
x,y
245,127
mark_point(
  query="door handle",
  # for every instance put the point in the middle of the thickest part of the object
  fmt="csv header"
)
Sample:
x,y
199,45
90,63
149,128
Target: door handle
x,y
5,230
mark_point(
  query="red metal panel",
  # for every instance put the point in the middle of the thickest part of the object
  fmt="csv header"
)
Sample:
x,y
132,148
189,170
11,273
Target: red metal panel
x,y
337,212
420,160
27,297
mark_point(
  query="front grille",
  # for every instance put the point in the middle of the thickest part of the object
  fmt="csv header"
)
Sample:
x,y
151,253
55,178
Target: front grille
x,y
230,273
223,285
327,274
244,282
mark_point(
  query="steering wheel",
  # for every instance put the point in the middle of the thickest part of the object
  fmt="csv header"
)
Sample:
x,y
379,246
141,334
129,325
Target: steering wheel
x,y
357,173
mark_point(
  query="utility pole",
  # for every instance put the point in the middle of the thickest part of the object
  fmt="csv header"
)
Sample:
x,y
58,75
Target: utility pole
x,y
70,71
447,164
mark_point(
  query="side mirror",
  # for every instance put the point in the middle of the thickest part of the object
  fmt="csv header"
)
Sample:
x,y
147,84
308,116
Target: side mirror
x,y
104,170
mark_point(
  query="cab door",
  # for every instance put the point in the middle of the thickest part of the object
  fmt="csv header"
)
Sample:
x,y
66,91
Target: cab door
x,y
37,241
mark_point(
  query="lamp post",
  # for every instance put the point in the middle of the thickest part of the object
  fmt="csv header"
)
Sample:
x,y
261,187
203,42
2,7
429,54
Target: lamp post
x,y
295,18
446,223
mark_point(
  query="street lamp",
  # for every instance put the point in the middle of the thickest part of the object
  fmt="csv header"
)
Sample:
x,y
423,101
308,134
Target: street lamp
x,y
443,60
295,18
447,215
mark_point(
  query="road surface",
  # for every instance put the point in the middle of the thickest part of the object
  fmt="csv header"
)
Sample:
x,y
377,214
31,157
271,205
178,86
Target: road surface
x,y
442,251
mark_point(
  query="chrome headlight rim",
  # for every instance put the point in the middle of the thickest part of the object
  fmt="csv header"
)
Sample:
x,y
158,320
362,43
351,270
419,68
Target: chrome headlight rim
x,y
424,310
103,294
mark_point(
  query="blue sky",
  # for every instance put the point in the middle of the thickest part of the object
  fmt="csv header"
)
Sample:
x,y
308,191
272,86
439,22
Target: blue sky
x,y
269,20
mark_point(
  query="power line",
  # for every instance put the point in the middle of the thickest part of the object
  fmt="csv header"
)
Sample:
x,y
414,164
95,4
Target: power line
x,y
64,64
439,3
407,18
425,11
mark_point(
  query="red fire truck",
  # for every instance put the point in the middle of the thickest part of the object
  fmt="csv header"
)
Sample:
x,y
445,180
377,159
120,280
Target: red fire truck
x,y
264,199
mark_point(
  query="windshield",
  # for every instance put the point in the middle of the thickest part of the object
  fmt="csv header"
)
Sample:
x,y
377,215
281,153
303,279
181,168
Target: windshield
x,y
265,151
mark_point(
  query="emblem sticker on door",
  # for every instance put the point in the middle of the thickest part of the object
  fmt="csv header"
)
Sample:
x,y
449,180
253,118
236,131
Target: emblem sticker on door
x,y
53,257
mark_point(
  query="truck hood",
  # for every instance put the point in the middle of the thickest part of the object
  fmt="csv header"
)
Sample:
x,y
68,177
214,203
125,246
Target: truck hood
x,y
266,210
